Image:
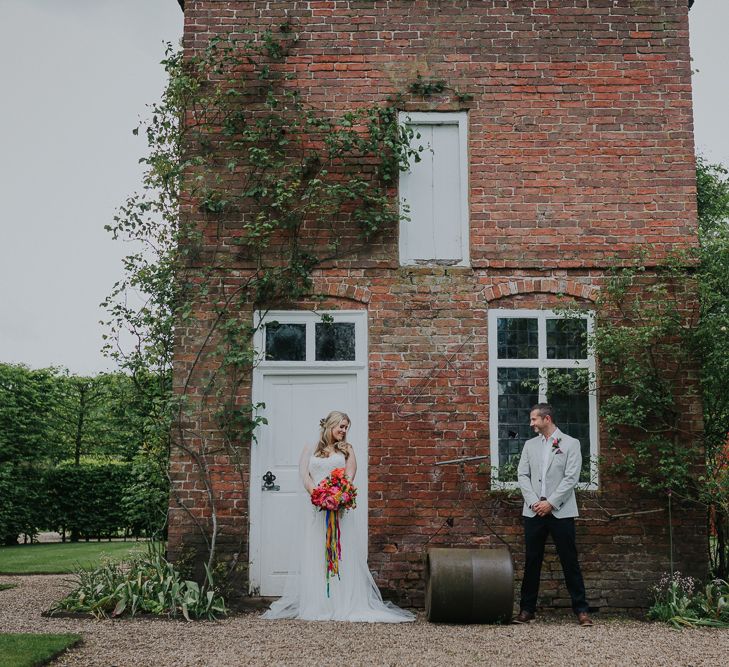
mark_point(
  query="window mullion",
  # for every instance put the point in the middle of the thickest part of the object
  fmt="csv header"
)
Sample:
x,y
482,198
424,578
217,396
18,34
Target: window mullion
x,y
542,336
542,383
542,346
310,341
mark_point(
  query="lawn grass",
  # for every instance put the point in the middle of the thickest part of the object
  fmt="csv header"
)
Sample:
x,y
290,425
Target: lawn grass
x,y
7,587
26,650
62,558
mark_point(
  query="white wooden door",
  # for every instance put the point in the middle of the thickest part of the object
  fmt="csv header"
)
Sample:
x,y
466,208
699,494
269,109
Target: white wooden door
x,y
294,405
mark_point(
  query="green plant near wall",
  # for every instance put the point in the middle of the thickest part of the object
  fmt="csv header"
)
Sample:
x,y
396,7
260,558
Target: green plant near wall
x,y
643,342
242,175
427,86
659,359
142,584
683,603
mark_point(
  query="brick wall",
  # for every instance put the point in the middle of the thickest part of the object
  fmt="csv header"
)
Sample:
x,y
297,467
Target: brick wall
x,y
580,148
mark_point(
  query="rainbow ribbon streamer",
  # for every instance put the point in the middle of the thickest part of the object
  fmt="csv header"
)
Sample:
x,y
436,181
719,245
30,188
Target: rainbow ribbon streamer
x,y
333,545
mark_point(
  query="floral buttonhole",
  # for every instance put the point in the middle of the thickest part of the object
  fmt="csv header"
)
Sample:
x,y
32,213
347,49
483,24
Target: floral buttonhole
x,y
555,446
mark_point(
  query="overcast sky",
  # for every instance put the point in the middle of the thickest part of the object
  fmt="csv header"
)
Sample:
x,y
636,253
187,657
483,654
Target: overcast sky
x,y
76,77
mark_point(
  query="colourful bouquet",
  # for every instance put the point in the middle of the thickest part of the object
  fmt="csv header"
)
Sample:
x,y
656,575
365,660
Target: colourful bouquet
x,y
332,494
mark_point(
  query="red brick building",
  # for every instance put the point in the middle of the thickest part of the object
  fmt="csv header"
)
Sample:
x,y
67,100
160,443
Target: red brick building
x,y
562,137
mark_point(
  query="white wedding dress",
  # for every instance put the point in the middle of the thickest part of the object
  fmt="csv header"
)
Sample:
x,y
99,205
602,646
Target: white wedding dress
x,y
353,596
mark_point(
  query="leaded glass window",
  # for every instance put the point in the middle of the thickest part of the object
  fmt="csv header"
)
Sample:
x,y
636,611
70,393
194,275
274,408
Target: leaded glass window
x,y
518,391
328,339
568,391
518,338
567,338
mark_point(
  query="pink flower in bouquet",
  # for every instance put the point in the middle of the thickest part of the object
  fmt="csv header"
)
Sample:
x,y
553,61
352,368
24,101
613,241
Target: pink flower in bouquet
x,y
334,492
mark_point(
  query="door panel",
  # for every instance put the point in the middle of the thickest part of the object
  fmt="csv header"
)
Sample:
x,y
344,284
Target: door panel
x,y
294,406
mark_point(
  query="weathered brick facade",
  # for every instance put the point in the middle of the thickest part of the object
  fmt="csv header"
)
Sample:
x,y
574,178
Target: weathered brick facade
x,y
580,147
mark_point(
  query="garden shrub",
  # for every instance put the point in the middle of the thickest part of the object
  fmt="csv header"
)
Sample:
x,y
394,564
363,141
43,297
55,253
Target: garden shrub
x,y
144,583
682,602
94,499
145,498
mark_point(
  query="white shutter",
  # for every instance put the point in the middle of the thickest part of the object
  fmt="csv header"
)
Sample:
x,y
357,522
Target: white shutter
x,y
435,192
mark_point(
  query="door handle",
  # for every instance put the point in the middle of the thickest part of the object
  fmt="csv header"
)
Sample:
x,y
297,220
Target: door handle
x,y
268,482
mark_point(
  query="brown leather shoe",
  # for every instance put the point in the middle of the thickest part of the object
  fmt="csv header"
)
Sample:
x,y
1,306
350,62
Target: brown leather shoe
x,y
524,617
584,619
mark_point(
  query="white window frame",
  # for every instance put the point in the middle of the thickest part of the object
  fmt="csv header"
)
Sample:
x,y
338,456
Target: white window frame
x,y
459,118
310,319
542,363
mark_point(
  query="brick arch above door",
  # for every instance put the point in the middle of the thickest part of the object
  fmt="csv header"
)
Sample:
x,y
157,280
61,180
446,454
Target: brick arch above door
x,y
544,285
341,290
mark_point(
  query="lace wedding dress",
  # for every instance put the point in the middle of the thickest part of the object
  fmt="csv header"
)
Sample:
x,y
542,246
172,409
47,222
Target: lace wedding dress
x,y
353,596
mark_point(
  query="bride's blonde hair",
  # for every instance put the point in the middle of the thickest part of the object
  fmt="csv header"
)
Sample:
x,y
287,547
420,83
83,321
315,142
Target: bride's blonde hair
x,y
326,439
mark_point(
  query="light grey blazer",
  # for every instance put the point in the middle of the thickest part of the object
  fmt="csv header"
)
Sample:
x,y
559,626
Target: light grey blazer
x,y
563,473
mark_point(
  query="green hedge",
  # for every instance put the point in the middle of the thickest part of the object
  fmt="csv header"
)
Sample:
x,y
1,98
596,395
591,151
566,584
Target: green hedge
x,y
85,500
95,499
23,501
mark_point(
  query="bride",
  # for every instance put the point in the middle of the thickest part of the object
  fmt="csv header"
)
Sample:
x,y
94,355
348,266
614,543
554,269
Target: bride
x,y
353,595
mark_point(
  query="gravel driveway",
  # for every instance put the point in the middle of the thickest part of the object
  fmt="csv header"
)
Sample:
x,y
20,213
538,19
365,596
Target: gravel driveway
x,y
248,640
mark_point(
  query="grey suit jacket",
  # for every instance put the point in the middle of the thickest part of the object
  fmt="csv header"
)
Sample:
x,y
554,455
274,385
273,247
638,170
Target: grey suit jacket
x,y
563,473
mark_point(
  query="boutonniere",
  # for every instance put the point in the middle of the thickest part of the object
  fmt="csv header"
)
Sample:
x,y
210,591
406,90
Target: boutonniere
x,y
555,445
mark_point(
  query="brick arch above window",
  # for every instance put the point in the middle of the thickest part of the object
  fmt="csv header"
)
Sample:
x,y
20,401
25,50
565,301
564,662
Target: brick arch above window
x,y
543,285
338,290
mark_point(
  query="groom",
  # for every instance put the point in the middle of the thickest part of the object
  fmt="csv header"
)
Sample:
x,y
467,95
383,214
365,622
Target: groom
x,y
549,469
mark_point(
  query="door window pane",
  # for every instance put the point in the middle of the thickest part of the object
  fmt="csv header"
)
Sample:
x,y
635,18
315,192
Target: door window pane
x,y
335,341
285,342
517,338
567,339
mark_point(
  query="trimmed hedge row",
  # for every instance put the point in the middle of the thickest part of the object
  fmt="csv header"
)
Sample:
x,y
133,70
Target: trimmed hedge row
x,y
90,500
22,501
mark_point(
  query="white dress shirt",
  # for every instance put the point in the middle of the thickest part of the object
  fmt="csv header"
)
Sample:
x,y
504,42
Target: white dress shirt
x,y
546,450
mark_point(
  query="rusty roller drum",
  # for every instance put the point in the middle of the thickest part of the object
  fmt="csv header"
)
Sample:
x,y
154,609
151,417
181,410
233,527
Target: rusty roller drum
x,y
469,585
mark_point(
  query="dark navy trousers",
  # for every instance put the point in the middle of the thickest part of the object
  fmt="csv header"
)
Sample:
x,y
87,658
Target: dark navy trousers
x,y
562,531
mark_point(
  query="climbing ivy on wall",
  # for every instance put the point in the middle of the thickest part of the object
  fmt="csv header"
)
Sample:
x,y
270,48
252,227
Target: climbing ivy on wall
x,y
243,178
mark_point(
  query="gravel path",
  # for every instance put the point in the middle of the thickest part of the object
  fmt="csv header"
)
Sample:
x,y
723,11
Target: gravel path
x,y
248,640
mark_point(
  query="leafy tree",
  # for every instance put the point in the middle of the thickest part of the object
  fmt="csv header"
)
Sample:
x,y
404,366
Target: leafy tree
x,y
658,356
27,443
80,415
103,415
28,400
48,417
712,343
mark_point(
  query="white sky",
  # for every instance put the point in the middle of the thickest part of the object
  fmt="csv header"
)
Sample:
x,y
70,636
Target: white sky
x,y
76,77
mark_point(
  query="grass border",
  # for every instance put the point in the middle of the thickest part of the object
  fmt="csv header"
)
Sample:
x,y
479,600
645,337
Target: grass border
x,y
72,638
62,558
